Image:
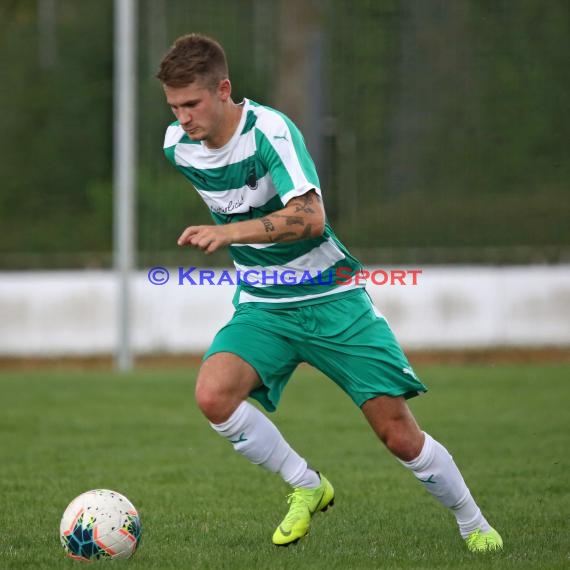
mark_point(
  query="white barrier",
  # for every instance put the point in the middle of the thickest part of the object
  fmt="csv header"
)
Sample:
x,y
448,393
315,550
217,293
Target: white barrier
x,y
74,312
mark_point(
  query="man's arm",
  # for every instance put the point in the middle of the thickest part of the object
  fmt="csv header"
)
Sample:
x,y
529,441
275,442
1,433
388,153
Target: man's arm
x,y
303,217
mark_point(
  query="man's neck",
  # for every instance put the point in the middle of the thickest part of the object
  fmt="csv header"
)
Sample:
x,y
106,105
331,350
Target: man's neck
x,y
230,122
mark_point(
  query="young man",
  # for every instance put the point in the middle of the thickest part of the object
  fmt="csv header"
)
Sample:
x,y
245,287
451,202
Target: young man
x,y
250,165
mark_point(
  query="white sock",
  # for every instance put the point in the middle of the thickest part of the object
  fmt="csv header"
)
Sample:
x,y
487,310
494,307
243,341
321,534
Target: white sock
x,y
254,436
435,469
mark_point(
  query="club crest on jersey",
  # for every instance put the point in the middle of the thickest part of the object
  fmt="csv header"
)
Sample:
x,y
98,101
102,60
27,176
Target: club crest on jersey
x,y
251,179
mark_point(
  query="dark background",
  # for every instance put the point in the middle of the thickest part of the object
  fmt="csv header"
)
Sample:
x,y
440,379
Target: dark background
x,y
440,128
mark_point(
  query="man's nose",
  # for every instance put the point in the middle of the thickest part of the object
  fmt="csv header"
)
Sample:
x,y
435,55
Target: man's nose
x,y
184,116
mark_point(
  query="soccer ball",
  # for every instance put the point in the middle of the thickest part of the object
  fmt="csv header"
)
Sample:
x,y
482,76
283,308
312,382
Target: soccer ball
x,y
100,524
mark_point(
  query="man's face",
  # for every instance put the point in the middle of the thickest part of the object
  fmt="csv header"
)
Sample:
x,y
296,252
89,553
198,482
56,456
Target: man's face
x,y
198,109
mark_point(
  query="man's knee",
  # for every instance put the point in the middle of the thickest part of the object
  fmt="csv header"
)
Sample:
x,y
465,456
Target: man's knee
x,y
215,401
404,443
395,425
207,398
223,383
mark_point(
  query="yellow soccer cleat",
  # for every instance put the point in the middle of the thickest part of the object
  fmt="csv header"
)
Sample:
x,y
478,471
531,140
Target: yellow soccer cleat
x,y
488,541
304,504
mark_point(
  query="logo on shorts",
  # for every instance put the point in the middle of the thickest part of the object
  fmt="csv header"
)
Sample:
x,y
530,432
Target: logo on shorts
x,y
409,371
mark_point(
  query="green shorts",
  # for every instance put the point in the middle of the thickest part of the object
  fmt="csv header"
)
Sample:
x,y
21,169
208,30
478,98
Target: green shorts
x,y
345,338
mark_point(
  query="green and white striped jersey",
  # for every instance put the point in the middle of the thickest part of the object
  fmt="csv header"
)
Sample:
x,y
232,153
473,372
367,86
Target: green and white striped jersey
x,y
263,166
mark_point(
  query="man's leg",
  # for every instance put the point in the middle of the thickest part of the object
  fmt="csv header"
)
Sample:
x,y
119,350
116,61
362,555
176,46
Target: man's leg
x,y
432,465
224,383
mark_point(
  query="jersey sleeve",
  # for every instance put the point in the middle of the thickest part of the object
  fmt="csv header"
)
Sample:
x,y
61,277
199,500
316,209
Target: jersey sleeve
x,y
173,135
281,147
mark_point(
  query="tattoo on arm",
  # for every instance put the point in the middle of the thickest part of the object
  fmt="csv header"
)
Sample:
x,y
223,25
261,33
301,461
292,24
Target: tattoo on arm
x,y
284,236
304,203
290,220
268,225
301,205
306,232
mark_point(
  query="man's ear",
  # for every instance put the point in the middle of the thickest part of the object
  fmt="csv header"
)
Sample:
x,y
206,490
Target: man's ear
x,y
224,89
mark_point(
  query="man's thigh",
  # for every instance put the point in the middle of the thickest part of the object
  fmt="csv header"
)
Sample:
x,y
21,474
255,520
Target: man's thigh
x,y
260,339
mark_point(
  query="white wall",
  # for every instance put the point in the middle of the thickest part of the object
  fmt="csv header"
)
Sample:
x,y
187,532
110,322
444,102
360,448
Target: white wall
x,y
74,313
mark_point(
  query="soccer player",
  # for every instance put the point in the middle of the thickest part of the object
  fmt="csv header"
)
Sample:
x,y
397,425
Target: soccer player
x,y
250,165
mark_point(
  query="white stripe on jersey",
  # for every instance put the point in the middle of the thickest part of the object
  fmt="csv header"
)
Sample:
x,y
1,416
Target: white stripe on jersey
x,y
254,245
239,200
245,297
200,157
173,135
299,192
315,261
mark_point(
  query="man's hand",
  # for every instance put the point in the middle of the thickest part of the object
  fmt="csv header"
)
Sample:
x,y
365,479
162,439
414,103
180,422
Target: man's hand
x,y
206,238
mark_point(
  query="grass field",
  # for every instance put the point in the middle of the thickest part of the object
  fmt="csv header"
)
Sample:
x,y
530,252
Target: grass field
x,y
204,507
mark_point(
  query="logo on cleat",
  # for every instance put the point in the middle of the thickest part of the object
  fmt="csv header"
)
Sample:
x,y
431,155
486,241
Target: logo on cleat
x,y
284,532
312,511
